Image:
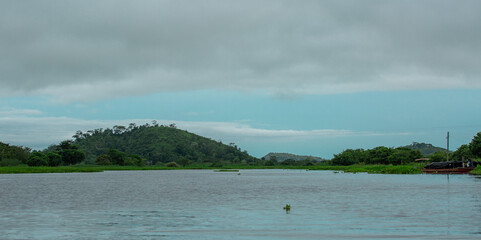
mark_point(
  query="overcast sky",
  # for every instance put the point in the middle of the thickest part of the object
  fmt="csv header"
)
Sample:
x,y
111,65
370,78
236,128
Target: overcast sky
x,y
307,77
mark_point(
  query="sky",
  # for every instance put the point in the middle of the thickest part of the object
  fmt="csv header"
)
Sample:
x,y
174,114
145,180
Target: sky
x,y
303,77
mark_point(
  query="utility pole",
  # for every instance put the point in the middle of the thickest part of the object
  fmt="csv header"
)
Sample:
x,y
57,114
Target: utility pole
x,y
447,148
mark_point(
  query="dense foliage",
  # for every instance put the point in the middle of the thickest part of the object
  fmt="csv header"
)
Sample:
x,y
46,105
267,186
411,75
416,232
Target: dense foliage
x,y
378,155
475,145
466,151
156,144
66,153
115,157
13,155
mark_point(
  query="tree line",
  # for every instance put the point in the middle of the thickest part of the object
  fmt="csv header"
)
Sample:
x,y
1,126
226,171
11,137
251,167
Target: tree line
x,y
13,155
404,155
158,144
65,153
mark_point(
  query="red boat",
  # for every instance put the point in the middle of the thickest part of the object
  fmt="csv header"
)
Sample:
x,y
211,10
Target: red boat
x,y
448,168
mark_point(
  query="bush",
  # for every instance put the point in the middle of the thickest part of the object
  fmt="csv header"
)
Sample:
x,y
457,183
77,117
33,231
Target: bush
x,y
349,157
103,159
9,162
269,163
439,156
289,162
72,156
134,160
53,159
216,165
117,157
37,159
172,164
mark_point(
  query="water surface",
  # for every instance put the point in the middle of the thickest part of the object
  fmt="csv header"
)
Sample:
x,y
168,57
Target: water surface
x,y
202,204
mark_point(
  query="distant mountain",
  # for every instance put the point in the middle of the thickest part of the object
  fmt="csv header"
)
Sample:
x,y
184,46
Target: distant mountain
x,y
158,144
284,156
425,148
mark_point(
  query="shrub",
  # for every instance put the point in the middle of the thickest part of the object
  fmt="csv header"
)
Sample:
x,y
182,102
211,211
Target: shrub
x,y
269,163
439,156
9,162
37,159
54,159
134,160
72,156
103,159
172,164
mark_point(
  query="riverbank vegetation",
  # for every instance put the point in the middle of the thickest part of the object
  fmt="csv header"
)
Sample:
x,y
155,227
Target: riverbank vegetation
x,y
382,169
158,147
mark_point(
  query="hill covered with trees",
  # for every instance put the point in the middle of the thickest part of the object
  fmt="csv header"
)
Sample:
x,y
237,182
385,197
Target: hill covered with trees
x,y
426,149
157,144
280,157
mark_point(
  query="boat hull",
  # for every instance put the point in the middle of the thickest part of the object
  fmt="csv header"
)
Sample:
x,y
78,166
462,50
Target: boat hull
x,y
460,170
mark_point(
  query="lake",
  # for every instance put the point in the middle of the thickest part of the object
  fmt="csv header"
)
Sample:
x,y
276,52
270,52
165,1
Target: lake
x,y
203,204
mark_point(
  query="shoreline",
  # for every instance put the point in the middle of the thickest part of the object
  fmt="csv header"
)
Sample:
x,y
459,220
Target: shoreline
x,y
372,169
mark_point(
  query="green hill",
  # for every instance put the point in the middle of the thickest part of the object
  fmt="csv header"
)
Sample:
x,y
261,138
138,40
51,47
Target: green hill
x,y
425,148
280,157
159,144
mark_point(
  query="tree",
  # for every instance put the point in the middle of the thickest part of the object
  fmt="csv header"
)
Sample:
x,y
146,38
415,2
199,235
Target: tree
x,y
13,154
290,162
439,156
349,157
54,159
379,155
103,159
399,156
462,153
475,145
269,163
117,157
72,156
67,144
134,160
172,164
184,161
37,159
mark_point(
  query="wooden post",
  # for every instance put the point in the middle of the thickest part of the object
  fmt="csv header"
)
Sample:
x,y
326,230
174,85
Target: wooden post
x,y
447,148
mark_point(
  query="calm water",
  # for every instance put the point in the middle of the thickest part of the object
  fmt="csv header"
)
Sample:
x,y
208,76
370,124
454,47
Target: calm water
x,y
202,204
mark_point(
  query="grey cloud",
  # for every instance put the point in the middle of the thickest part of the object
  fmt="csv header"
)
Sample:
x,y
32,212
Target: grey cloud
x,y
118,48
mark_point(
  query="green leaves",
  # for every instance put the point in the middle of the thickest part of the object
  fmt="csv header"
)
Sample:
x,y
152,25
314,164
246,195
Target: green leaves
x,y
157,144
378,155
475,145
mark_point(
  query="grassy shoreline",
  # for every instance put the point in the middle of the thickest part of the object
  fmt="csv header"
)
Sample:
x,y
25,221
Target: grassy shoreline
x,y
373,169
381,169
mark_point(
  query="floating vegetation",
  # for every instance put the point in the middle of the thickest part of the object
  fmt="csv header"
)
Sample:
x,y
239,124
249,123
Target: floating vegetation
x,y
287,208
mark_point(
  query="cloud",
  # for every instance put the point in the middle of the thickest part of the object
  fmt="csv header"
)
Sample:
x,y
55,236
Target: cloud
x,y
88,50
19,112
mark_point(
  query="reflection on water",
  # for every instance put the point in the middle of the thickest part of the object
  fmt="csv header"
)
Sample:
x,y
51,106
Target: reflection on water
x,y
201,204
